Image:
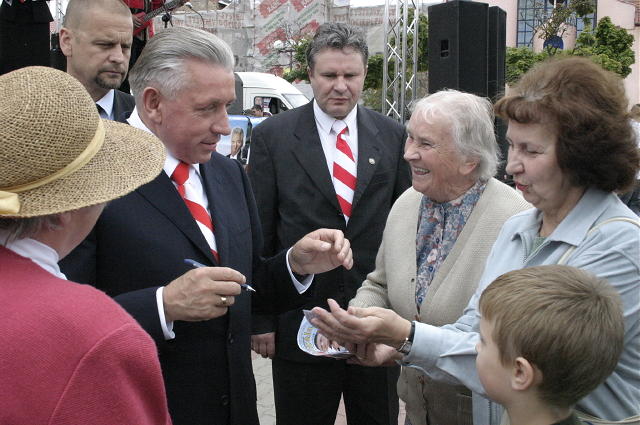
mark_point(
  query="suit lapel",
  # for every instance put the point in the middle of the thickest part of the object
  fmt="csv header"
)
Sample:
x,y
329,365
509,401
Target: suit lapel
x,y
122,106
214,188
368,152
165,198
308,151
117,108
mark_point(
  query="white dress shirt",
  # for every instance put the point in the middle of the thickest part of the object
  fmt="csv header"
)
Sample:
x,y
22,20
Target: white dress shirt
x,y
324,123
106,103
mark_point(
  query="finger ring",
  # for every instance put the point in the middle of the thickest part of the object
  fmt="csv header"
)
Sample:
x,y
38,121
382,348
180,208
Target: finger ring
x,y
224,301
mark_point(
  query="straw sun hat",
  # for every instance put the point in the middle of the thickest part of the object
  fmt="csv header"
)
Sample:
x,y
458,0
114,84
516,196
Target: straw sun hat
x,y
57,155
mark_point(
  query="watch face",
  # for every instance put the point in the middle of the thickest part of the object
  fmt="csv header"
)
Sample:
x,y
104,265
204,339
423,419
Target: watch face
x,y
405,348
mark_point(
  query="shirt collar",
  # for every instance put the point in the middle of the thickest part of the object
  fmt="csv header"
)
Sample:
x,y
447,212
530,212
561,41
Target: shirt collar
x,y
573,228
41,254
325,121
135,121
171,162
470,197
106,103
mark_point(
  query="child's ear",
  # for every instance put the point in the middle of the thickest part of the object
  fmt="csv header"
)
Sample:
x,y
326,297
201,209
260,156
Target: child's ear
x,y
525,375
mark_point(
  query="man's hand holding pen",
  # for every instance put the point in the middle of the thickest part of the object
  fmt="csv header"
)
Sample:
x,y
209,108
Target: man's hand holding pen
x,y
207,292
201,294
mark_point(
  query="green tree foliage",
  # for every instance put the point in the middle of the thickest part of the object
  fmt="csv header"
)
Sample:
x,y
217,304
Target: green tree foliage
x,y
520,60
423,40
609,46
299,68
374,72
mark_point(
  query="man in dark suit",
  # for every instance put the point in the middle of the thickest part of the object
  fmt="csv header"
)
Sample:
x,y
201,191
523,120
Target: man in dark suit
x,y
328,163
200,208
24,34
96,39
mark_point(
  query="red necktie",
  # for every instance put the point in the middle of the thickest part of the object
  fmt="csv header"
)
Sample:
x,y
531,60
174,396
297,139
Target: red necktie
x,y
344,172
200,214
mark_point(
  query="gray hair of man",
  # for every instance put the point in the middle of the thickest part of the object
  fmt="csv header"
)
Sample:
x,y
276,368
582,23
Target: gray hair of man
x,y
337,36
162,62
471,122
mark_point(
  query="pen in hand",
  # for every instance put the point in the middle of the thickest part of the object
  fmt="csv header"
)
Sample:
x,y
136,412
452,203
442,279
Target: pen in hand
x,y
195,264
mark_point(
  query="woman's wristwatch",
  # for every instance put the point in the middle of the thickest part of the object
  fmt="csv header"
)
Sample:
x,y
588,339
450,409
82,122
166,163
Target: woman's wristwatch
x,y
405,348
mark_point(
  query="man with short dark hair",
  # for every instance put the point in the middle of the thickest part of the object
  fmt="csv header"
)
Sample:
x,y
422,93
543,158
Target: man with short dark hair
x,y
333,164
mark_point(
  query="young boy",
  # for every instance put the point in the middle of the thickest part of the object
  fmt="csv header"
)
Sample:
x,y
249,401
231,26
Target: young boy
x,y
549,335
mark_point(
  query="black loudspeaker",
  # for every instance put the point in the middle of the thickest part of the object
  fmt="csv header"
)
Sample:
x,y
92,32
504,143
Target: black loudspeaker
x,y
458,47
497,51
497,34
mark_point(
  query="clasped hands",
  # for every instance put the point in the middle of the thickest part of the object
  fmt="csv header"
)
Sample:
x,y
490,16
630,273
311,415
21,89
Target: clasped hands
x,y
372,333
207,292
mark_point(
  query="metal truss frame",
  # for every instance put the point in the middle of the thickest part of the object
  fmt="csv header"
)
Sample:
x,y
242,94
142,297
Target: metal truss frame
x,y
400,66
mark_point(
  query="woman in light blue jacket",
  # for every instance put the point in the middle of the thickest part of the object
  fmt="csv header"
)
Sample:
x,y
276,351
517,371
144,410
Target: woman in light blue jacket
x,y
571,148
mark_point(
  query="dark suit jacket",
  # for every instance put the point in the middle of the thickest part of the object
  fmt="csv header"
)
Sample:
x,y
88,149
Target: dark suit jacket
x,y
29,12
295,195
140,242
24,34
123,104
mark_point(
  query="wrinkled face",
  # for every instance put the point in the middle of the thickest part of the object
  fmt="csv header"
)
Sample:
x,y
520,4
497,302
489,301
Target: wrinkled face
x,y
534,166
437,169
492,373
98,50
337,79
192,121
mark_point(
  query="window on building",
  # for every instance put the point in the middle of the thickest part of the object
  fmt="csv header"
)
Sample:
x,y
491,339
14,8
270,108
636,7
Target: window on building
x,y
530,12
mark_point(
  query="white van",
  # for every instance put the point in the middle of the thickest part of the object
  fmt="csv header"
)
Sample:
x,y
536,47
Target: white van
x,y
275,94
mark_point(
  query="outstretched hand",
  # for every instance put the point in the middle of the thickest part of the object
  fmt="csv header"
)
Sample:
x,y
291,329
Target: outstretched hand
x,y
373,355
361,325
320,251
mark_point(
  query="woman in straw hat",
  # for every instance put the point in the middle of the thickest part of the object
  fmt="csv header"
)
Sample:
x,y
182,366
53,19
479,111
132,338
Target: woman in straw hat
x,y
68,353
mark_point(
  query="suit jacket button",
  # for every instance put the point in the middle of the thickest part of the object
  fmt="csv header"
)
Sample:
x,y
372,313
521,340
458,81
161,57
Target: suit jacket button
x,y
224,400
230,338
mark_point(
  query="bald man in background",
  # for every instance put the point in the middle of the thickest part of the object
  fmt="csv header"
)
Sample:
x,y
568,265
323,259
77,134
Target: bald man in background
x,y
96,38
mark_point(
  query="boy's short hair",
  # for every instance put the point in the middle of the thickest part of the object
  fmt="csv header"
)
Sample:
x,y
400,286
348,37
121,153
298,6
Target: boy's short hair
x,y
565,321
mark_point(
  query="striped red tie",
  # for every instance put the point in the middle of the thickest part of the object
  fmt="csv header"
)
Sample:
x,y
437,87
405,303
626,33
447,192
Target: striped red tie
x,y
344,173
200,214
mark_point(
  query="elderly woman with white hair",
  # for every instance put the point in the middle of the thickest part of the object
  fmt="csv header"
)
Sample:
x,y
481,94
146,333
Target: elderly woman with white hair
x,y
438,235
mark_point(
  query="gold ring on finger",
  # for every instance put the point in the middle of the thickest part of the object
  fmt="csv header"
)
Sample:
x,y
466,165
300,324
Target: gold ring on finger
x,y
224,301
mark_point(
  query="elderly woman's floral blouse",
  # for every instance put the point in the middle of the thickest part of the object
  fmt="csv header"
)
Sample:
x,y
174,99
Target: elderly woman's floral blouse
x,y
439,226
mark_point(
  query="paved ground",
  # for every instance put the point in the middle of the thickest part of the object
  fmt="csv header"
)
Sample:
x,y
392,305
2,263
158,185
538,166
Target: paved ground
x,y
266,412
